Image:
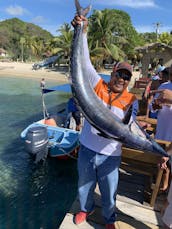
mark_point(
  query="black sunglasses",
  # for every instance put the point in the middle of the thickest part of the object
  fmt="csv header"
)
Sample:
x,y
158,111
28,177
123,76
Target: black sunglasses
x,y
122,75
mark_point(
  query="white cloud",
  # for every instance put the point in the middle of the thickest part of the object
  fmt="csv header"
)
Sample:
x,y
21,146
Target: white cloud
x,y
129,3
15,10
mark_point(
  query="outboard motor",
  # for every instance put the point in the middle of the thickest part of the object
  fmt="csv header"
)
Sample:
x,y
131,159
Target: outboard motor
x,y
36,142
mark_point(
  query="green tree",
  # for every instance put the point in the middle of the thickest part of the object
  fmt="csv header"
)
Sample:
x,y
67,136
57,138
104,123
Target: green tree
x,y
11,32
112,30
62,43
149,37
165,38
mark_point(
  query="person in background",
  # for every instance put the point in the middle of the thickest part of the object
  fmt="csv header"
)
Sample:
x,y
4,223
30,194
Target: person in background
x,y
164,123
167,210
76,114
99,158
165,97
149,72
42,83
158,71
140,69
161,76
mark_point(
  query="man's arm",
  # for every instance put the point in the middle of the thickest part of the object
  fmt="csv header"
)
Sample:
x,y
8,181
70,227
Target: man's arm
x,y
88,67
165,96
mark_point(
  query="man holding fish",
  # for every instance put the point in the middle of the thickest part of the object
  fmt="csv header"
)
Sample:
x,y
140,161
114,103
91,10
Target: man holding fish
x,y
99,156
109,110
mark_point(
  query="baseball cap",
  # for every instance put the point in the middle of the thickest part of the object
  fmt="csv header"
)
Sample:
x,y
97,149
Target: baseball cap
x,y
159,69
123,65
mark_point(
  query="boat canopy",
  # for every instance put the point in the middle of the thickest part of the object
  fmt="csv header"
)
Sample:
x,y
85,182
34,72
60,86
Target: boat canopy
x,y
64,87
67,87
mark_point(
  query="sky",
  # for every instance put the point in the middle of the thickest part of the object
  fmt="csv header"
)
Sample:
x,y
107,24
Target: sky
x,y
51,14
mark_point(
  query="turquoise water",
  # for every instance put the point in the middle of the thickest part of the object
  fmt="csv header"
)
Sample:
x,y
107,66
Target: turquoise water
x,y
31,196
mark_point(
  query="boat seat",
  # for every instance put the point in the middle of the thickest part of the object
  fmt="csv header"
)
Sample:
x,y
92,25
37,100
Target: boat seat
x,y
71,138
55,136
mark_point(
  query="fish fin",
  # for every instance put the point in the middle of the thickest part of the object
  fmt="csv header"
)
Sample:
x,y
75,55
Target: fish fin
x,y
80,10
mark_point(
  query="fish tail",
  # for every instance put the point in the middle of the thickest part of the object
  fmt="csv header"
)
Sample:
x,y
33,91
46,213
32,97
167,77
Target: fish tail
x,y
80,10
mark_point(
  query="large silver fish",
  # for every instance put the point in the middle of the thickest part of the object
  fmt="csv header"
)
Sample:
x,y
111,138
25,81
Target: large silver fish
x,y
94,110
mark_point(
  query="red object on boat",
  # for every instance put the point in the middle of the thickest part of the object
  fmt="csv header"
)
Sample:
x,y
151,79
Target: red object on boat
x,y
50,122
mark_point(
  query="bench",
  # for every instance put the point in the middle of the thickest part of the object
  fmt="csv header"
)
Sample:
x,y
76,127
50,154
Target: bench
x,y
144,163
141,83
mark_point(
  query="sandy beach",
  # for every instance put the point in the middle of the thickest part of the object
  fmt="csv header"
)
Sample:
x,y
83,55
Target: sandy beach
x,y
59,75
17,69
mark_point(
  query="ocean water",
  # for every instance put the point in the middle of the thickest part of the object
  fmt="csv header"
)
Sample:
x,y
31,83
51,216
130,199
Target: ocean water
x,y
31,196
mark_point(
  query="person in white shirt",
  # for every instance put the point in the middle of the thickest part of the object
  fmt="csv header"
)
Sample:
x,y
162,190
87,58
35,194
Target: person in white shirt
x,y
163,100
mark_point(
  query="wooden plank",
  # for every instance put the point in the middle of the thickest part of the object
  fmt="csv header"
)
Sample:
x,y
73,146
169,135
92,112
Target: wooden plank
x,y
136,211
140,155
125,222
139,213
162,142
127,214
131,214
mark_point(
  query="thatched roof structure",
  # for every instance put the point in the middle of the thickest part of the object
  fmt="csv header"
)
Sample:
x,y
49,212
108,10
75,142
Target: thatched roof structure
x,y
158,51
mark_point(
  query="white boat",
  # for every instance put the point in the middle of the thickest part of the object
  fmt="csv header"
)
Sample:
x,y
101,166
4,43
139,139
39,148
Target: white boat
x,y
53,135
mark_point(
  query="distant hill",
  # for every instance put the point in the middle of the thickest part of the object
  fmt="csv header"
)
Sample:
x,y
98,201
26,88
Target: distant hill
x,y
12,30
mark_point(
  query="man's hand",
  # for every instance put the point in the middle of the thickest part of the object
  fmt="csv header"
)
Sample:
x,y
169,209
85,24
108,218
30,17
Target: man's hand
x,y
78,20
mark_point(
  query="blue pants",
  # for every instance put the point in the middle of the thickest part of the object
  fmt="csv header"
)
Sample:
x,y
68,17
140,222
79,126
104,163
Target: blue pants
x,y
98,168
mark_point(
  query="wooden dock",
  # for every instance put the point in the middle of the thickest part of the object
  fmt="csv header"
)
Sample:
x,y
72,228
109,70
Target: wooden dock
x,y
133,208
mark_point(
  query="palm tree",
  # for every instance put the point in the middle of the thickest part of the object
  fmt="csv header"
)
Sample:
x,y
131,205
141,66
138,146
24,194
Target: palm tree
x,y
62,43
100,33
113,31
101,27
